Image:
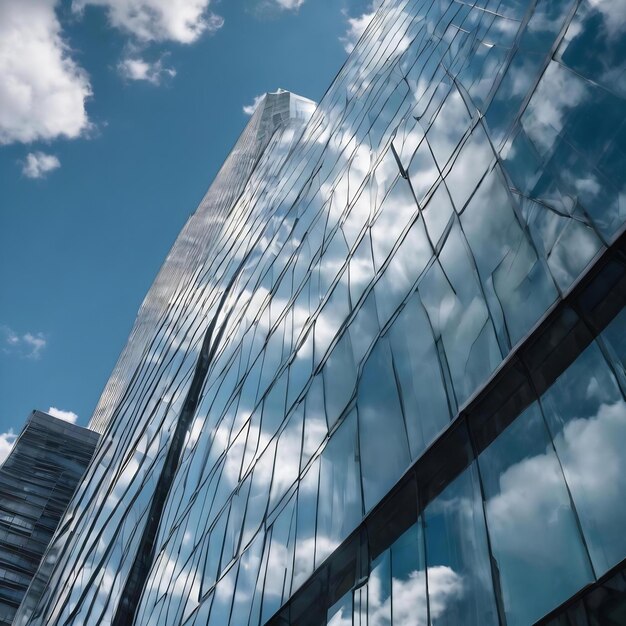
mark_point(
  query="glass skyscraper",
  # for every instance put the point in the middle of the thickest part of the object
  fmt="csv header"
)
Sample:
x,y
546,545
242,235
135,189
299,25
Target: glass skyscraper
x,y
381,376
37,481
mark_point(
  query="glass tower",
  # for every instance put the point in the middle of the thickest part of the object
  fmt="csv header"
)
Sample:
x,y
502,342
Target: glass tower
x,y
37,481
381,376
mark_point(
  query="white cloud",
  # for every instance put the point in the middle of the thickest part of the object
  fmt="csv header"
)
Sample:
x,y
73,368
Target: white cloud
x,y
356,28
525,516
66,416
6,444
183,21
10,337
43,91
445,586
558,92
38,164
29,345
36,343
614,16
273,7
140,69
249,109
289,5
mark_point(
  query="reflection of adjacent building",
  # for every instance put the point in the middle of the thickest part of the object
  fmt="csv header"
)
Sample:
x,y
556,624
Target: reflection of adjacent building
x,y
380,378
37,482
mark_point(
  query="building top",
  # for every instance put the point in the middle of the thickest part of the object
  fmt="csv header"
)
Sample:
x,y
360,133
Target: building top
x,y
274,127
56,424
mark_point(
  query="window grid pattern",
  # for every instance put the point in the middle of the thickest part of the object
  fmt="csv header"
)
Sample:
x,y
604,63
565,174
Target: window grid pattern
x,y
37,481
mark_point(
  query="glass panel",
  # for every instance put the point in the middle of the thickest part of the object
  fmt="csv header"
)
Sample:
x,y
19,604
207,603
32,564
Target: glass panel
x,y
246,581
341,613
383,438
306,516
398,209
422,389
515,282
599,27
534,535
460,587
438,214
360,607
405,267
451,123
423,171
288,450
614,340
573,132
315,429
214,543
259,493
364,328
330,319
340,377
361,268
280,561
469,167
457,312
408,579
379,591
586,414
567,243
223,598
340,508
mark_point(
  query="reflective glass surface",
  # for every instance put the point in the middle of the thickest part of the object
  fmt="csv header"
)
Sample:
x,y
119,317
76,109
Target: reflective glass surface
x,y
356,274
533,529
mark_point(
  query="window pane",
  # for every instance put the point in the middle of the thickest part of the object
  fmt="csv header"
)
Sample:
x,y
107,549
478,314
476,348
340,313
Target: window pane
x,y
460,587
586,414
383,438
420,379
339,509
341,613
379,592
534,535
408,579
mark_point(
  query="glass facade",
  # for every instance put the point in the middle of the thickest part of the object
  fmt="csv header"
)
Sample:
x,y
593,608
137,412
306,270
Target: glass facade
x,y
380,378
37,481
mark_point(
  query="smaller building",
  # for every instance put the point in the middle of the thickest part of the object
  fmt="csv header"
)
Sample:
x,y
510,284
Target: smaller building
x,y
37,482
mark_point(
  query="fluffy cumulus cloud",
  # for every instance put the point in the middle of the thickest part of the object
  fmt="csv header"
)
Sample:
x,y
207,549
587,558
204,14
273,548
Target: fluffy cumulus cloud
x,y
249,109
183,21
28,345
6,444
43,90
136,68
66,416
39,164
356,28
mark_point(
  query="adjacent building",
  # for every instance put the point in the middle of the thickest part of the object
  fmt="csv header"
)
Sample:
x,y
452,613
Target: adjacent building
x,y
381,376
37,481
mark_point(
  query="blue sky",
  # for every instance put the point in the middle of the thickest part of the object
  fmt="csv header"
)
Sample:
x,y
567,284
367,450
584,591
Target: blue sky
x,y
115,116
